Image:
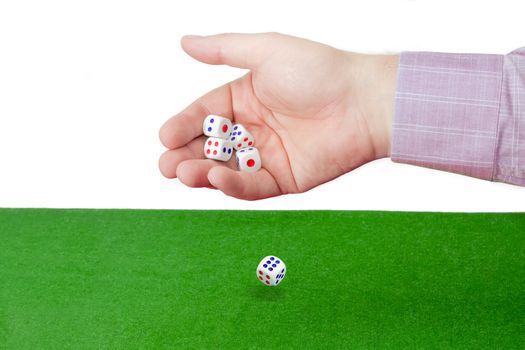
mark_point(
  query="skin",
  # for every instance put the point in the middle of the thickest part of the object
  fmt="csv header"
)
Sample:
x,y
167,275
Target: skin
x,y
315,112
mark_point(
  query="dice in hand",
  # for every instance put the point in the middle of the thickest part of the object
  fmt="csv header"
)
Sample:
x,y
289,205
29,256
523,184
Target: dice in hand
x,y
248,159
217,126
240,137
218,149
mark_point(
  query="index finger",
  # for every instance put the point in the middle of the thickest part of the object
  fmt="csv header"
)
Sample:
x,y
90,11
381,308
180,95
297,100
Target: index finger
x,y
187,125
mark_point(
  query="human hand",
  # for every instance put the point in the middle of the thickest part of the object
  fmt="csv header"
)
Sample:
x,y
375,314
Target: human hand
x,y
316,113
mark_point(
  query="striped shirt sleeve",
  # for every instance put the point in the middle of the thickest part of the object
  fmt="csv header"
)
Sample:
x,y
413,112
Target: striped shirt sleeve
x,y
463,113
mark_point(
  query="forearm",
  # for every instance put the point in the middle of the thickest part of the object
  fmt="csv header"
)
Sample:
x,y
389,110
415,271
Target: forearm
x,y
461,113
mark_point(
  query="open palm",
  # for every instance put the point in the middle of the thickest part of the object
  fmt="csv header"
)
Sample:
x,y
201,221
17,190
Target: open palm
x,y
305,103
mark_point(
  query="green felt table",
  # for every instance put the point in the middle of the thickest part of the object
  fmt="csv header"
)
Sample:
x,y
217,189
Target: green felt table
x,y
125,279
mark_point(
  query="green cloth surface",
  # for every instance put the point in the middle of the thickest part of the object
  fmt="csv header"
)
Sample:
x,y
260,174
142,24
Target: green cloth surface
x,y
150,279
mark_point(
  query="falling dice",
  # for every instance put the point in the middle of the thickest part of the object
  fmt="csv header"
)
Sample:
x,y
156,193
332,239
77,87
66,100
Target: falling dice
x,y
240,137
219,149
217,126
248,159
271,271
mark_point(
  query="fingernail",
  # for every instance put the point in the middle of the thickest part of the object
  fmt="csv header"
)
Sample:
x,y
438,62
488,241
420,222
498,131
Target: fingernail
x,y
193,36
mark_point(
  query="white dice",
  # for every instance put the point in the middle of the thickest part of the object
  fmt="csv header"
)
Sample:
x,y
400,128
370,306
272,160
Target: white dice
x,y
248,159
219,149
224,138
271,270
217,126
240,137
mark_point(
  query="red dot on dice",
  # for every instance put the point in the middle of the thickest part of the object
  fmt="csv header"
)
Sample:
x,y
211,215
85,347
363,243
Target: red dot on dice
x,y
260,278
224,128
267,282
245,139
207,151
239,145
250,163
268,277
216,143
260,272
214,153
209,143
250,143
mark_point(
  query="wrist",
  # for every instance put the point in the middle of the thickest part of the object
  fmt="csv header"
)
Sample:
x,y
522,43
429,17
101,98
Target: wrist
x,y
376,85
387,81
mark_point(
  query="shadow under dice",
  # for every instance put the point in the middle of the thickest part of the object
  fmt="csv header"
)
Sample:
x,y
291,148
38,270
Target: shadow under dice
x,y
219,149
240,137
248,159
217,126
271,270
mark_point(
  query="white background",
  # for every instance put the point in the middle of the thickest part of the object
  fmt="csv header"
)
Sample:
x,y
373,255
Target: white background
x,y
85,86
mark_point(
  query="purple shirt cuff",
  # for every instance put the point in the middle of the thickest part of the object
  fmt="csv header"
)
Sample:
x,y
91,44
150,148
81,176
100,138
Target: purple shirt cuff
x,y
460,113
509,165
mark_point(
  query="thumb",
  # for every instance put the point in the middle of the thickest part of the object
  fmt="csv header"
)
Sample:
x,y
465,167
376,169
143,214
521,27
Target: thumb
x,y
236,50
